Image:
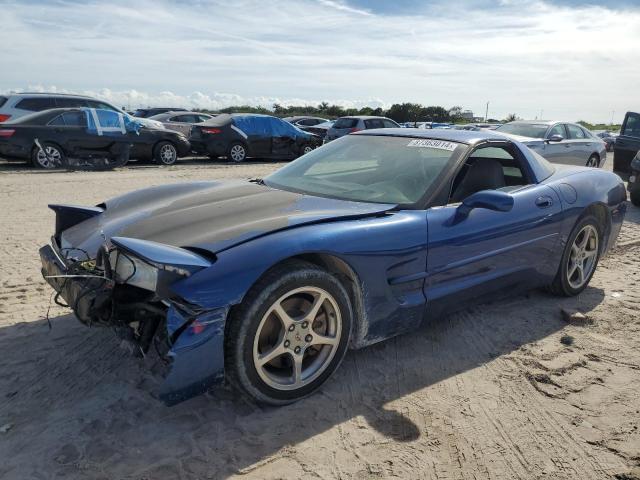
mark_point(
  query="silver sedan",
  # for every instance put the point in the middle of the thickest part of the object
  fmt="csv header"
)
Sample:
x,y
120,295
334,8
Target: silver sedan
x,y
181,121
559,142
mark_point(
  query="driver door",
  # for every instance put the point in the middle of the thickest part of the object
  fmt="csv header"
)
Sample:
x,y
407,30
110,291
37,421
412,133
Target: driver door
x,y
491,252
557,152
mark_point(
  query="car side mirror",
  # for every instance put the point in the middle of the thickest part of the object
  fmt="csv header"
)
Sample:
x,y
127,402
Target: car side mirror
x,y
555,138
489,199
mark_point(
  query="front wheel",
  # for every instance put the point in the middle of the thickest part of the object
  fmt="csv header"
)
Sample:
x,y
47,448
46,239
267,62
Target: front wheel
x,y
579,259
306,149
289,334
165,153
635,196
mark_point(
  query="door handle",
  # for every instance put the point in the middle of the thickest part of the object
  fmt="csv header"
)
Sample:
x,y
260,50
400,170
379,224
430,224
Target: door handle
x,y
544,202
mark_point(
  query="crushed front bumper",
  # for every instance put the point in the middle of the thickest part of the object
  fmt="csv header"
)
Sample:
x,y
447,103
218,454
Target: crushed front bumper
x,y
193,338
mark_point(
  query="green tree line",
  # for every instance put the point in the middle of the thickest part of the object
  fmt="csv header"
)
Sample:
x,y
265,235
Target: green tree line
x,y
400,112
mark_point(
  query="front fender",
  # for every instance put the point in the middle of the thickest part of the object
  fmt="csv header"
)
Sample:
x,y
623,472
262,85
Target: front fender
x,y
387,253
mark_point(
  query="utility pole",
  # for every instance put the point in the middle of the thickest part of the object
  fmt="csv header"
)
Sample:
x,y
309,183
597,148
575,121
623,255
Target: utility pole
x,y
486,113
612,114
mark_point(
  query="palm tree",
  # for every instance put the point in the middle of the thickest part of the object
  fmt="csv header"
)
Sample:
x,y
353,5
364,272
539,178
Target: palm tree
x,y
512,117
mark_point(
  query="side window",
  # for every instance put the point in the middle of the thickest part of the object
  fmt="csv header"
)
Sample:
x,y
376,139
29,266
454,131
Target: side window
x,y
70,102
575,132
36,104
57,121
307,122
184,119
203,118
389,124
557,130
70,119
632,125
280,128
488,168
101,105
373,123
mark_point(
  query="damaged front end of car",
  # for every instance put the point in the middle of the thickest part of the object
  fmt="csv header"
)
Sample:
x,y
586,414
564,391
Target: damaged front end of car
x,y
127,285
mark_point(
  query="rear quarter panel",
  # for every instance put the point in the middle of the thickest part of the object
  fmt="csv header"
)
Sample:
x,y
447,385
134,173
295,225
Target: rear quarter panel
x,y
582,188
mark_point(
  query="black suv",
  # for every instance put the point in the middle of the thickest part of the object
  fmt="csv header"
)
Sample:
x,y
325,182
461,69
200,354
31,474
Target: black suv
x,y
627,143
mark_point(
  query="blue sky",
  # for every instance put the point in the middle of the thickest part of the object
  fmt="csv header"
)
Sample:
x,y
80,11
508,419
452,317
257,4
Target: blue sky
x,y
563,59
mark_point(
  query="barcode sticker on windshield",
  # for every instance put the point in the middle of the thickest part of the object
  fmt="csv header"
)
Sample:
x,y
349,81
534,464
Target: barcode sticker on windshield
x,y
429,143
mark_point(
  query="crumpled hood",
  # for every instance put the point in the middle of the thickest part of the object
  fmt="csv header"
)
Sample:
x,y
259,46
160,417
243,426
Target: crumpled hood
x,y
209,215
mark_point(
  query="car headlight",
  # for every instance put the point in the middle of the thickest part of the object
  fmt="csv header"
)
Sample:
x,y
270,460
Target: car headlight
x,y
133,271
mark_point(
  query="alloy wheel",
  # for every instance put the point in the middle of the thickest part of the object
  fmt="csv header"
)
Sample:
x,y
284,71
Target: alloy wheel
x,y
49,158
168,154
237,153
307,149
297,338
592,162
582,259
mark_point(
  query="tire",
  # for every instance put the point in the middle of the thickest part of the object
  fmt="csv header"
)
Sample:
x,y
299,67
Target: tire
x,y
593,161
55,157
237,153
306,149
567,283
256,330
165,153
634,196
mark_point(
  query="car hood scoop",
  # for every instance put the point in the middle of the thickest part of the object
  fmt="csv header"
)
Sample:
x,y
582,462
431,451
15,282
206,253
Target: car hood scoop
x,y
208,215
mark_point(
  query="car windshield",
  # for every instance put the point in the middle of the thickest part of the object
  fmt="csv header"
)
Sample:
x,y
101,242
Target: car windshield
x,y
368,168
532,130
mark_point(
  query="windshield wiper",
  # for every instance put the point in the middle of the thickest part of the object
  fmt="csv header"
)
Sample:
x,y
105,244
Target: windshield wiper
x,y
258,181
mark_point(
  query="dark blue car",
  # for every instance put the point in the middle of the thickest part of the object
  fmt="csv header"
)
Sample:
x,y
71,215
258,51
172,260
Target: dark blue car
x,y
267,283
242,135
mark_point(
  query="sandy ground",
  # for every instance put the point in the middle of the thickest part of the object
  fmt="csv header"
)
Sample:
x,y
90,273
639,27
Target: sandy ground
x,y
490,393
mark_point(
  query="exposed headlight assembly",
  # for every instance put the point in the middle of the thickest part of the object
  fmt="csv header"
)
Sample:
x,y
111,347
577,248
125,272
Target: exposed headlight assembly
x,y
152,265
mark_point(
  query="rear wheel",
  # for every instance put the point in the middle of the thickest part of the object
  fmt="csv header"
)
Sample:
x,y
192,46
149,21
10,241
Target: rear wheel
x,y
289,335
635,196
579,259
594,161
306,149
50,156
237,153
165,153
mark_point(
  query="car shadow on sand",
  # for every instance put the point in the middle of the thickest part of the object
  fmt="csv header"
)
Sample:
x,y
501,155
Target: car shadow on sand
x,y
79,405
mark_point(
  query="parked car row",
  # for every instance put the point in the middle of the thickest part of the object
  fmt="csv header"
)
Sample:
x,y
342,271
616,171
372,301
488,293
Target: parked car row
x,y
169,133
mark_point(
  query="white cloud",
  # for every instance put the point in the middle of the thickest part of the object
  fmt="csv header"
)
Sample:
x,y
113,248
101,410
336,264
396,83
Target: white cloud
x,y
523,56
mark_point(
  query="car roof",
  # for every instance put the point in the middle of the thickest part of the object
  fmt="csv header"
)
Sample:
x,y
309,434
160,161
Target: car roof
x,y
46,94
179,112
365,117
460,136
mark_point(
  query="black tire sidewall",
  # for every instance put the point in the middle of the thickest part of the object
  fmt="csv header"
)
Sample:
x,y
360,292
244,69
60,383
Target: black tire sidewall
x,y
243,371
156,153
561,283
34,155
634,196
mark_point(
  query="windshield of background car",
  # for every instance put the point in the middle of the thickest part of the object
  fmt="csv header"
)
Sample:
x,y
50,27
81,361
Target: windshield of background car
x,y
532,130
368,168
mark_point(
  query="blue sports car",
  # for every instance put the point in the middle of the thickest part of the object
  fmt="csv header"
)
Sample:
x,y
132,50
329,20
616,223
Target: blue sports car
x,y
266,283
